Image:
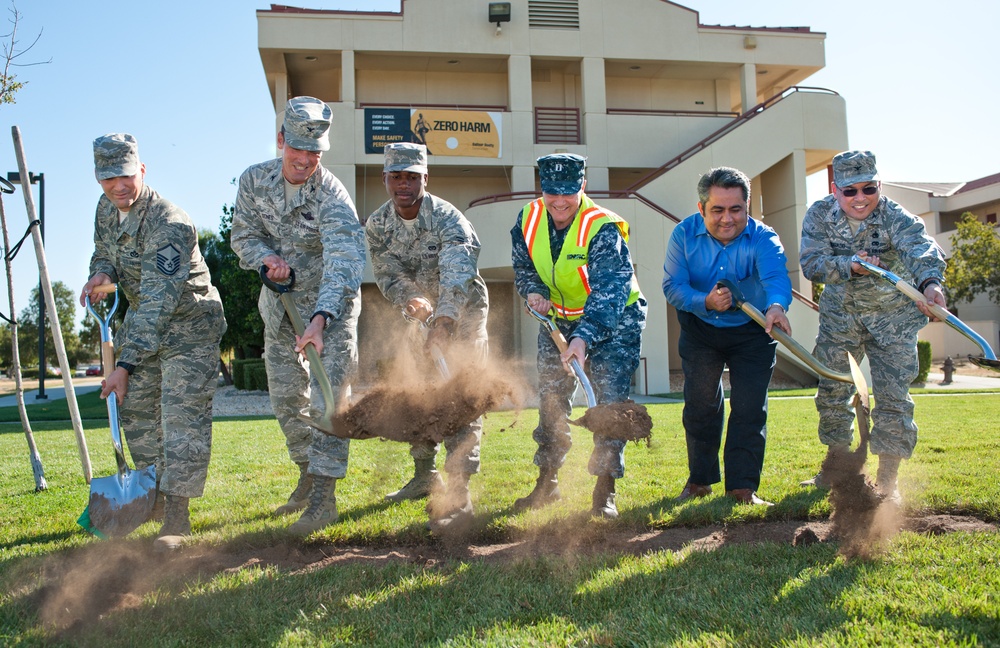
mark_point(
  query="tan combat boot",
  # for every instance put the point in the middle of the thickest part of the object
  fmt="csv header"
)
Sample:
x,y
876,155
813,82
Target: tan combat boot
x,y
821,480
452,509
603,503
300,496
545,492
886,479
321,510
425,480
176,524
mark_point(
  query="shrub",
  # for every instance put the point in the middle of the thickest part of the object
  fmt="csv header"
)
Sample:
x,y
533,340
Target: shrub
x,y
242,371
924,360
256,376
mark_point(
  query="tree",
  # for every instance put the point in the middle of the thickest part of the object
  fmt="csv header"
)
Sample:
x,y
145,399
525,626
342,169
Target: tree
x,y
90,338
9,85
239,289
27,327
973,268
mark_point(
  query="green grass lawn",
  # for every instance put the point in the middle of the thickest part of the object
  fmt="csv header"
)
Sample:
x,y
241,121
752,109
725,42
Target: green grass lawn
x,y
244,582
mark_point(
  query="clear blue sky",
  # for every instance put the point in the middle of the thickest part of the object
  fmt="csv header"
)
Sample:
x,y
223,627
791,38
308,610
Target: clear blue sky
x,y
185,78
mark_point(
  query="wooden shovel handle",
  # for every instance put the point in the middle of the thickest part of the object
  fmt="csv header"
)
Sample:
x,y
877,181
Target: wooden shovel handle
x,y
105,289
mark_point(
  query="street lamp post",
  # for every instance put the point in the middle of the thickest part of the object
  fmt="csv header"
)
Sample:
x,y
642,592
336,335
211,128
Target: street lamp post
x,y
39,179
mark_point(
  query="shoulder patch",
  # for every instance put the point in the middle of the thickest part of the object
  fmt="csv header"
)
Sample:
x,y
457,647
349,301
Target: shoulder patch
x,y
168,259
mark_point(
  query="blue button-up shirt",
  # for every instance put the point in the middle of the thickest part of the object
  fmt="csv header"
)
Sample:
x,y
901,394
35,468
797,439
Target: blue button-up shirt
x,y
755,261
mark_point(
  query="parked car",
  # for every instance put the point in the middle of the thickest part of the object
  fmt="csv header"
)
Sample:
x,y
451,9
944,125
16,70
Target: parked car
x,y
94,370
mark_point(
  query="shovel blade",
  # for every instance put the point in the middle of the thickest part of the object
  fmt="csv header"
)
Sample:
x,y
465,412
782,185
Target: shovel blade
x,y
120,503
985,363
323,424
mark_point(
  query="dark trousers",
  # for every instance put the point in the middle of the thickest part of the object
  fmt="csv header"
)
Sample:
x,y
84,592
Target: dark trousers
x,y
750,354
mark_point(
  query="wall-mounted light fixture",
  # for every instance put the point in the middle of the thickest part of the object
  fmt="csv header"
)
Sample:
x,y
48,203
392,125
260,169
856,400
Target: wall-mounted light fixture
x,y
499,13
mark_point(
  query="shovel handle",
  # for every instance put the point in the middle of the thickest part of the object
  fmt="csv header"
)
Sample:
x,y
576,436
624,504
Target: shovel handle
x,y
940,312
315,362
562,345
797,349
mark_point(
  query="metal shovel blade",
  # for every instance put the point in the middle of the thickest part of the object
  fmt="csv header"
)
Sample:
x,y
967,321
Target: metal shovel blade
x,y
118,503
988,359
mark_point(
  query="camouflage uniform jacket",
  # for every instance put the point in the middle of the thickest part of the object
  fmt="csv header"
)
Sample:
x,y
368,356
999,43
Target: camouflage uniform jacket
x,y
154,258
318,235
896,236
436,258
610,271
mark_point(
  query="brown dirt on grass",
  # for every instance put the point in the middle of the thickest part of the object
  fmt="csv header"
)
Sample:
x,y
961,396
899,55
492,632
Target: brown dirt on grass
x,y
628,421
426,411
862,518
79,587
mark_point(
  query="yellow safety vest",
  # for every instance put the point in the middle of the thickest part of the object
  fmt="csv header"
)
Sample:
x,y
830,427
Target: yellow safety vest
x,y
567,278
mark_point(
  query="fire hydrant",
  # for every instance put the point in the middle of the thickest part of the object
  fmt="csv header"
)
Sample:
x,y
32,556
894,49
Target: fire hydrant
x,y
949,369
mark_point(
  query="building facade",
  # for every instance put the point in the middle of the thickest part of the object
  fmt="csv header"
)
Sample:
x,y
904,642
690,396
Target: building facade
x,y
650,95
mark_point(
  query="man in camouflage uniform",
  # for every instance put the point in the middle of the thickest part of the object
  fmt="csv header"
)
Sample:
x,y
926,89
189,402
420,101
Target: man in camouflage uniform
x,y
571,261
293,214
424,255
168,344
862,314
722,243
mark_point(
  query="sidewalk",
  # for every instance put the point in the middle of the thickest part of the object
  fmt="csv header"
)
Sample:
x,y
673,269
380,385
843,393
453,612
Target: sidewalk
x,y
54,390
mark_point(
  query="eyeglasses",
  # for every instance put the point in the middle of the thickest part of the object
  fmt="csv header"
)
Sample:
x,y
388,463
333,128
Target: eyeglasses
x,y
850,192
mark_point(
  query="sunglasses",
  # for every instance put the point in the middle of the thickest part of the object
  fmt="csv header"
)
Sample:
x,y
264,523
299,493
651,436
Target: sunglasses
x,y
850,192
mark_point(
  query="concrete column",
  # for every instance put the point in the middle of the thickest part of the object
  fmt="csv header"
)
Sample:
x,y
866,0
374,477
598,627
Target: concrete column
x,y
784,204
519,83
522,178
595,114
748,86
347,93
280,92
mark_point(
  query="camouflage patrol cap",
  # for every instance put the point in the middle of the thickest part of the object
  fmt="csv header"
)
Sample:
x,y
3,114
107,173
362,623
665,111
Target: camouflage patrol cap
x,y
852,167
116,154
307,123
561,173
405,156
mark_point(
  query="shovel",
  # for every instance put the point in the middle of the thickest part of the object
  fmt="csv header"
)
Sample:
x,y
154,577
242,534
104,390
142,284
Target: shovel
x,y
625,420
118,503
324,424
435,352
988,359
562,345
855,377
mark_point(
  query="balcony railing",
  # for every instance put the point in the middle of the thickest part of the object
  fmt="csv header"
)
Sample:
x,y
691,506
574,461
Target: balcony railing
x,y
557,125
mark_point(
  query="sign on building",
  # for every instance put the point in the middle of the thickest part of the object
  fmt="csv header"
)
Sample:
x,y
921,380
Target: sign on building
x,y
443,132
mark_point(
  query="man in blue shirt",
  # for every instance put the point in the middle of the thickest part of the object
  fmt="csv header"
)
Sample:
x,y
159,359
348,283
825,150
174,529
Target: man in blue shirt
x,y
722,242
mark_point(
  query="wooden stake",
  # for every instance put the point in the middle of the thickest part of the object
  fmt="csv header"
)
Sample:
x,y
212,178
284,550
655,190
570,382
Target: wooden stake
x,y
50,303
36,460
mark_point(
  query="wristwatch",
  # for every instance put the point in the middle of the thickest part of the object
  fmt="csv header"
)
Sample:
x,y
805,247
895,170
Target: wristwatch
x,y
774,304
326,317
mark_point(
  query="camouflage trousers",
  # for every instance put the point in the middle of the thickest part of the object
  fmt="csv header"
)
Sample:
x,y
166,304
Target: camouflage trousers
x,y
610,366
894,366
293,392
462,447
166,416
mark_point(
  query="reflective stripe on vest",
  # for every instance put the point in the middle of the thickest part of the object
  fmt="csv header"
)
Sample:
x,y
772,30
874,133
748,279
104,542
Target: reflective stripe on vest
x,y
568,279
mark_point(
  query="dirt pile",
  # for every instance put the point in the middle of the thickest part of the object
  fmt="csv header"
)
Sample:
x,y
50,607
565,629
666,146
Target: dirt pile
x,y
862,518
427,411
628,421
